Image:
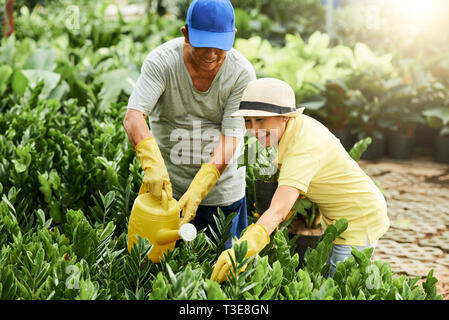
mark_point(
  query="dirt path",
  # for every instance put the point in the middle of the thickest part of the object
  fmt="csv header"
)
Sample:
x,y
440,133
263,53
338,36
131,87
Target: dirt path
x,y
417,194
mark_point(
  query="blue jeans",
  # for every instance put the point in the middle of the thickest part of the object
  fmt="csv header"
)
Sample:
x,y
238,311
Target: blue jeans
x,y
204,218
341,252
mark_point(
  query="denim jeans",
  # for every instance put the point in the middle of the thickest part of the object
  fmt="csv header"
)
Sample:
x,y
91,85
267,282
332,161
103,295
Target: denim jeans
x,y
341,252
204,218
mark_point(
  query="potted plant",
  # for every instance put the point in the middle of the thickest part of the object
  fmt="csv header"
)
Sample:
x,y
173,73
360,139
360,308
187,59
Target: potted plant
x,y
366,102
339,112
380,104
330,106
438,118
261,174
266,175
306,223
418,91
431,95
401,115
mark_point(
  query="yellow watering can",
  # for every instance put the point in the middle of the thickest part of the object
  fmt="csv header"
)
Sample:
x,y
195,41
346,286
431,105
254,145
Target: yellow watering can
x,y
157,221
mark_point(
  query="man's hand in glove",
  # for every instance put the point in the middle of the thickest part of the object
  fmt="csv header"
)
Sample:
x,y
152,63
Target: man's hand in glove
x,y
200,186
156,176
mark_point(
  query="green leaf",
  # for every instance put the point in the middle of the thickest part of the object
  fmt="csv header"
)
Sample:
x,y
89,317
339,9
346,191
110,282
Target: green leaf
x,y
429,287
19,167
45,187
7,50
50,79
55,212
261,276
318,42
359,148
137,266
437,117
140,295
41,216
363,55
223,234
41,59
5,74
107,231
315,260
277,275
19,82
88,290
269,294
60,91
444,131
8,286
108,199
326,291
214,291
114,82
85,241
313,105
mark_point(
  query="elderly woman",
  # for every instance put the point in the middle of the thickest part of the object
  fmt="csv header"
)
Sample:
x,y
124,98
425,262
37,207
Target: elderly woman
x,y
312,162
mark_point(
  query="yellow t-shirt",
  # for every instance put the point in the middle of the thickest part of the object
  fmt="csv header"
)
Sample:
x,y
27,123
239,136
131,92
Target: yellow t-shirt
x,y
313,160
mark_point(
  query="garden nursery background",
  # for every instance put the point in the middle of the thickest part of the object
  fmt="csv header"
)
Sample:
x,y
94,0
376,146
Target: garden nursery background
x,y
376,73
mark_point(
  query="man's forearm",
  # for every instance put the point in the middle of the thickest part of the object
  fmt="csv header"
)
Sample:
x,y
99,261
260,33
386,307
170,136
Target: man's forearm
x,y
223,152
136,127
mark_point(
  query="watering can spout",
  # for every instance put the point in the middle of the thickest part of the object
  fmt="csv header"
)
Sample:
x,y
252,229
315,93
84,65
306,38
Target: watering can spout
x,y
186,232
165,236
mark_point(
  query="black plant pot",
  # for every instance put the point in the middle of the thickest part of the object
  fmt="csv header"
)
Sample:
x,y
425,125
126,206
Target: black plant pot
x,y
345,136
302,243
400,146
376,149
425,136
441,149
264,192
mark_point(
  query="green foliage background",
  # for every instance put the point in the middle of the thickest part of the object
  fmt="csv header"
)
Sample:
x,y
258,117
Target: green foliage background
x,y
68,175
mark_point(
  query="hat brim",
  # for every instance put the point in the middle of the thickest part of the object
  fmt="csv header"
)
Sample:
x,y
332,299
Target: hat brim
x,y
260,113
207,39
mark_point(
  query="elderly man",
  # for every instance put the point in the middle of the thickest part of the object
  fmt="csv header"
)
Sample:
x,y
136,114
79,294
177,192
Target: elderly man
x,y
188,88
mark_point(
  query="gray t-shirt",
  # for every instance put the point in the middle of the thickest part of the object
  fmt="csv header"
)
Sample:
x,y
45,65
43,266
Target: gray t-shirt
x,y
187,123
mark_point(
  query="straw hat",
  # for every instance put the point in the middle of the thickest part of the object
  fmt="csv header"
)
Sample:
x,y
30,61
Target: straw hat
x,y
267,97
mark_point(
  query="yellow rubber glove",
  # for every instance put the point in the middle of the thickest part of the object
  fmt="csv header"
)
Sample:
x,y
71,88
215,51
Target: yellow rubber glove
x,y
257,237
200,186
156,176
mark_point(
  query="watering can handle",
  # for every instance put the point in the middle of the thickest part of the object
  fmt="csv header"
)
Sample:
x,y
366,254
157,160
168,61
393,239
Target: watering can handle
x,y
164,200
143,189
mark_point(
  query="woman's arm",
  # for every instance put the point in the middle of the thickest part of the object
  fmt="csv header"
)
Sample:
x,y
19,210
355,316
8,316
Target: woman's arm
x,y
283,200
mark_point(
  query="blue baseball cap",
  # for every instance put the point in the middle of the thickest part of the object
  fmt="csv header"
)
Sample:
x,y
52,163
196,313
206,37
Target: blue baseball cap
x,y
211,24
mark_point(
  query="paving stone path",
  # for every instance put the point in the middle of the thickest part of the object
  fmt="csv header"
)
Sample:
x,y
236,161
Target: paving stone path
x,y
417,192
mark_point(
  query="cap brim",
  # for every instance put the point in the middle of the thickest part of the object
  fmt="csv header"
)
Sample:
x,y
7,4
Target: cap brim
x,y
207,39
260,113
